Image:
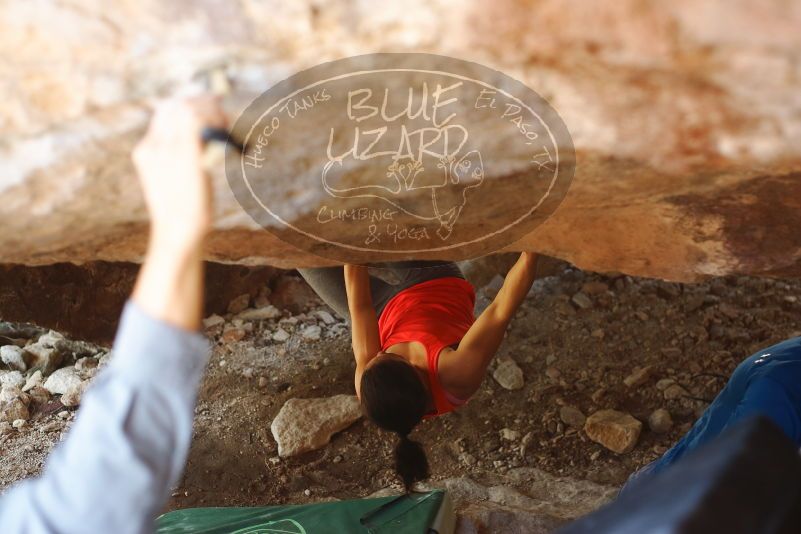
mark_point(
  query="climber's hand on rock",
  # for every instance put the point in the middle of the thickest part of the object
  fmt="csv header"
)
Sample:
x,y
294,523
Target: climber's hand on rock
x,y
169,163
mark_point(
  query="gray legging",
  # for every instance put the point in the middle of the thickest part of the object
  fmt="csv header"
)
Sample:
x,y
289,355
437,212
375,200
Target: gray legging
x,y
386,281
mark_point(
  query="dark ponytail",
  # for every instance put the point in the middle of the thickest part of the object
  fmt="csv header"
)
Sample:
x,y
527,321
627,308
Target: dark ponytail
x,y
395,399
410,461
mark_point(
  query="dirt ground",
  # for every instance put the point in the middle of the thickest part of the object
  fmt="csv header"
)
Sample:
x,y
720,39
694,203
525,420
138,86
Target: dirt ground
x,y
569,354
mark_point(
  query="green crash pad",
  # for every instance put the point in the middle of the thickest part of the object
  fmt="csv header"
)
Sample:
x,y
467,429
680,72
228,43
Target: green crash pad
x,y
415,513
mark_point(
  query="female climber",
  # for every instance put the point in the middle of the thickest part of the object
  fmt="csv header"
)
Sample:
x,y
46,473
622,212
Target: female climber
x,y
419,351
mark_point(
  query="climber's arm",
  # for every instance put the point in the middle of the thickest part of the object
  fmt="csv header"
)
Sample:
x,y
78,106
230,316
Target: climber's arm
x,y
465,371
364,323
129,443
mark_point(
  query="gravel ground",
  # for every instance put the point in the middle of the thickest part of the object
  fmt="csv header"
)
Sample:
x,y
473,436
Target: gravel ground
x,y
578,338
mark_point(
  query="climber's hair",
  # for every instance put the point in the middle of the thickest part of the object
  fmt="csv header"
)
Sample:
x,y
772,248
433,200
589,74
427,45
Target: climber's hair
x,y
395,399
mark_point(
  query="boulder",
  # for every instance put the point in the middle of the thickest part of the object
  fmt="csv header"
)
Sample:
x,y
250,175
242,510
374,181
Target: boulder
x,y
617,431
304,425
685,120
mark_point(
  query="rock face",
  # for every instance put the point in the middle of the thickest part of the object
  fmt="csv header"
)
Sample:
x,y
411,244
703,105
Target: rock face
x,y
614,430
304,425
684,116
537,502
92,295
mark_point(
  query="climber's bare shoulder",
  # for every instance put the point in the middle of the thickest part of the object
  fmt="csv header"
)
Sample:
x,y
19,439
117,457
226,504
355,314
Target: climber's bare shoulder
x,y
460,372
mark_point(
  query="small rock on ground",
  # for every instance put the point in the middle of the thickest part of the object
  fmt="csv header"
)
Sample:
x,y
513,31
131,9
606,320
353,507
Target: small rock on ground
x,y
280,335
617,431
325,317
660,421
72,397
639,376
312,333
34,380
572,416
582,301
674,391
14,410
44,356
212,320
307,424
509,375
12,378
259,314
239,304
594,288
60,381
232,335
11,355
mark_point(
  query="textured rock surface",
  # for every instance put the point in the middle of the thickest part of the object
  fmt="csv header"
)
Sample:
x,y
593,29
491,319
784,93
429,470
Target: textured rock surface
x,y
685,116
617,431
307,424
528,500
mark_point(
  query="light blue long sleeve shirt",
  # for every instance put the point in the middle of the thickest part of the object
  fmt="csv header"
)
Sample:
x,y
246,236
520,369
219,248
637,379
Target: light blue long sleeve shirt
x,y
129,443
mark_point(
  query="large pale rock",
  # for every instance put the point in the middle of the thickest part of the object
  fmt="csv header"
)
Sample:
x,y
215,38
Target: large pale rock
x,y
304,425
11,379
685,116
47,352
535,498
11,355
617,431
62,380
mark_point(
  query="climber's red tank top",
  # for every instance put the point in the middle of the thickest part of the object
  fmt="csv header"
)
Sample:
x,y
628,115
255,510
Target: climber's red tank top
x,y
437,313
